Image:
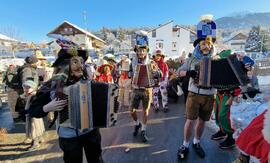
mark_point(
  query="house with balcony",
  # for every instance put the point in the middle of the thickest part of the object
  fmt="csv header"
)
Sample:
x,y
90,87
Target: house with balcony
x,y
80,36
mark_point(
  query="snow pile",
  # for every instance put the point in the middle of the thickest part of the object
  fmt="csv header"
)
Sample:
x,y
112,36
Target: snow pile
x,y
264,80
244,112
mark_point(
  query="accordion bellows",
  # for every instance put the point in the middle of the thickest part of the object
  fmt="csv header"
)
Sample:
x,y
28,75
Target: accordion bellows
x,y
222,74
90,104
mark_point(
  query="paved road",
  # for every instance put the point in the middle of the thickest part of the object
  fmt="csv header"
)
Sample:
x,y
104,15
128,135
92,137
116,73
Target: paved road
x,y
165,131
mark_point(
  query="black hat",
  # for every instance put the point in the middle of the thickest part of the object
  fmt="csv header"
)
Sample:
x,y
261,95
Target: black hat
x,y
142,47
31,60
198,40
64,56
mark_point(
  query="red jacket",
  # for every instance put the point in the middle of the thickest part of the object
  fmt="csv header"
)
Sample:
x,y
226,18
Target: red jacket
x,y
105,78
163,68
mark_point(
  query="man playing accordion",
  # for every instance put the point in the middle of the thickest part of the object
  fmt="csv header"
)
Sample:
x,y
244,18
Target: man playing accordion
x,y
68,70
199,104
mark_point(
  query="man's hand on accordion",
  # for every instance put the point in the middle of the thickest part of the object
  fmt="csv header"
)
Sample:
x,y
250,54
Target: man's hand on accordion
x,y
55,105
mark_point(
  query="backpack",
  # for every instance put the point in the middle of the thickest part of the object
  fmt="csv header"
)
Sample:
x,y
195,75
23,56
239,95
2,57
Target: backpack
x,y
14,78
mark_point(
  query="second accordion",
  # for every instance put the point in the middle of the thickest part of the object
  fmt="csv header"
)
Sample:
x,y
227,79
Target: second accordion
x,y
222,74
90,104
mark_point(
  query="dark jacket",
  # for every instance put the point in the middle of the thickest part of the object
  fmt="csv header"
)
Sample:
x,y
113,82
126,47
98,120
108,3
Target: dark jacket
x,y
43,97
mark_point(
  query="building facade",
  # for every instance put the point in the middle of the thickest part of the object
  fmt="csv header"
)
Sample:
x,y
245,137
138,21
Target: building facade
x,y
7,44
173,40
78,35
237,42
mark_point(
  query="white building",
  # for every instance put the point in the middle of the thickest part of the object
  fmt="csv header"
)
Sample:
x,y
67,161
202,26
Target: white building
x,y
173,40
78,35
237,42
7,44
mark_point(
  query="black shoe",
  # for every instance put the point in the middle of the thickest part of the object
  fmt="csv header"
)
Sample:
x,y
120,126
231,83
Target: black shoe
x,y
219,135
144,136
156,109
198,149
228,143
182,152
166,109
136,129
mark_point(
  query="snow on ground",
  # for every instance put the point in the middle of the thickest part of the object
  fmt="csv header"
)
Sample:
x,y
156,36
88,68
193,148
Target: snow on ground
x,y
4,63
264,80
244,112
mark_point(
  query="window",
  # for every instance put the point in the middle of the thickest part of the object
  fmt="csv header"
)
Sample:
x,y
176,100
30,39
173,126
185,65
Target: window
x,y
159,45
176,33
174,45
154,33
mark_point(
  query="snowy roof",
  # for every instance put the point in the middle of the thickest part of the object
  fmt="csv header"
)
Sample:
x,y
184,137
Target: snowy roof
x,y
190,30
78,28
236,36
162,25
4,37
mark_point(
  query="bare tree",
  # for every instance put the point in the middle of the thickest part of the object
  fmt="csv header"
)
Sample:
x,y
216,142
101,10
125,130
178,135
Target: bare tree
x,y
11,32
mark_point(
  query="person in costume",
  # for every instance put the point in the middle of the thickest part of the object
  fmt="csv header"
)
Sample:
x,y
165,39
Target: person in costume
x,y
105,73
111,60
246,60
159,59
124,82
69,69
90,68
254,140
223,102
199,103
44,72
139,93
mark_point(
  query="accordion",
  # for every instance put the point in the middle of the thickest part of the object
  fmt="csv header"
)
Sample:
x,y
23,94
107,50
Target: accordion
x,y
143,76
221,74
90,104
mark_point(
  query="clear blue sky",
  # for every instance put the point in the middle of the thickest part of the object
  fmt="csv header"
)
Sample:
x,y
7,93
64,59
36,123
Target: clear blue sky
x,y
35,18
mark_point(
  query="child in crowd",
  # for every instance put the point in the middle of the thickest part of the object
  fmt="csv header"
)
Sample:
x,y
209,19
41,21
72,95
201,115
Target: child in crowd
x,y
34,127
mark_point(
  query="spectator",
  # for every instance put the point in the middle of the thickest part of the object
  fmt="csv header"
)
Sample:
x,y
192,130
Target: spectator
x,y
34,127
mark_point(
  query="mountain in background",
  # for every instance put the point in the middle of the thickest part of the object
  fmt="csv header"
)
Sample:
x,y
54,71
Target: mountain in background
x,y
243,20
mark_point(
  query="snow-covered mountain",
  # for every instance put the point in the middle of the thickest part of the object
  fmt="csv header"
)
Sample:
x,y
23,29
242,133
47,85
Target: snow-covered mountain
x,y
243,20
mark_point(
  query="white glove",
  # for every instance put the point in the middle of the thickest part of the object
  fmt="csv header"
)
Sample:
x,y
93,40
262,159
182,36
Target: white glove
x,y
55,105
